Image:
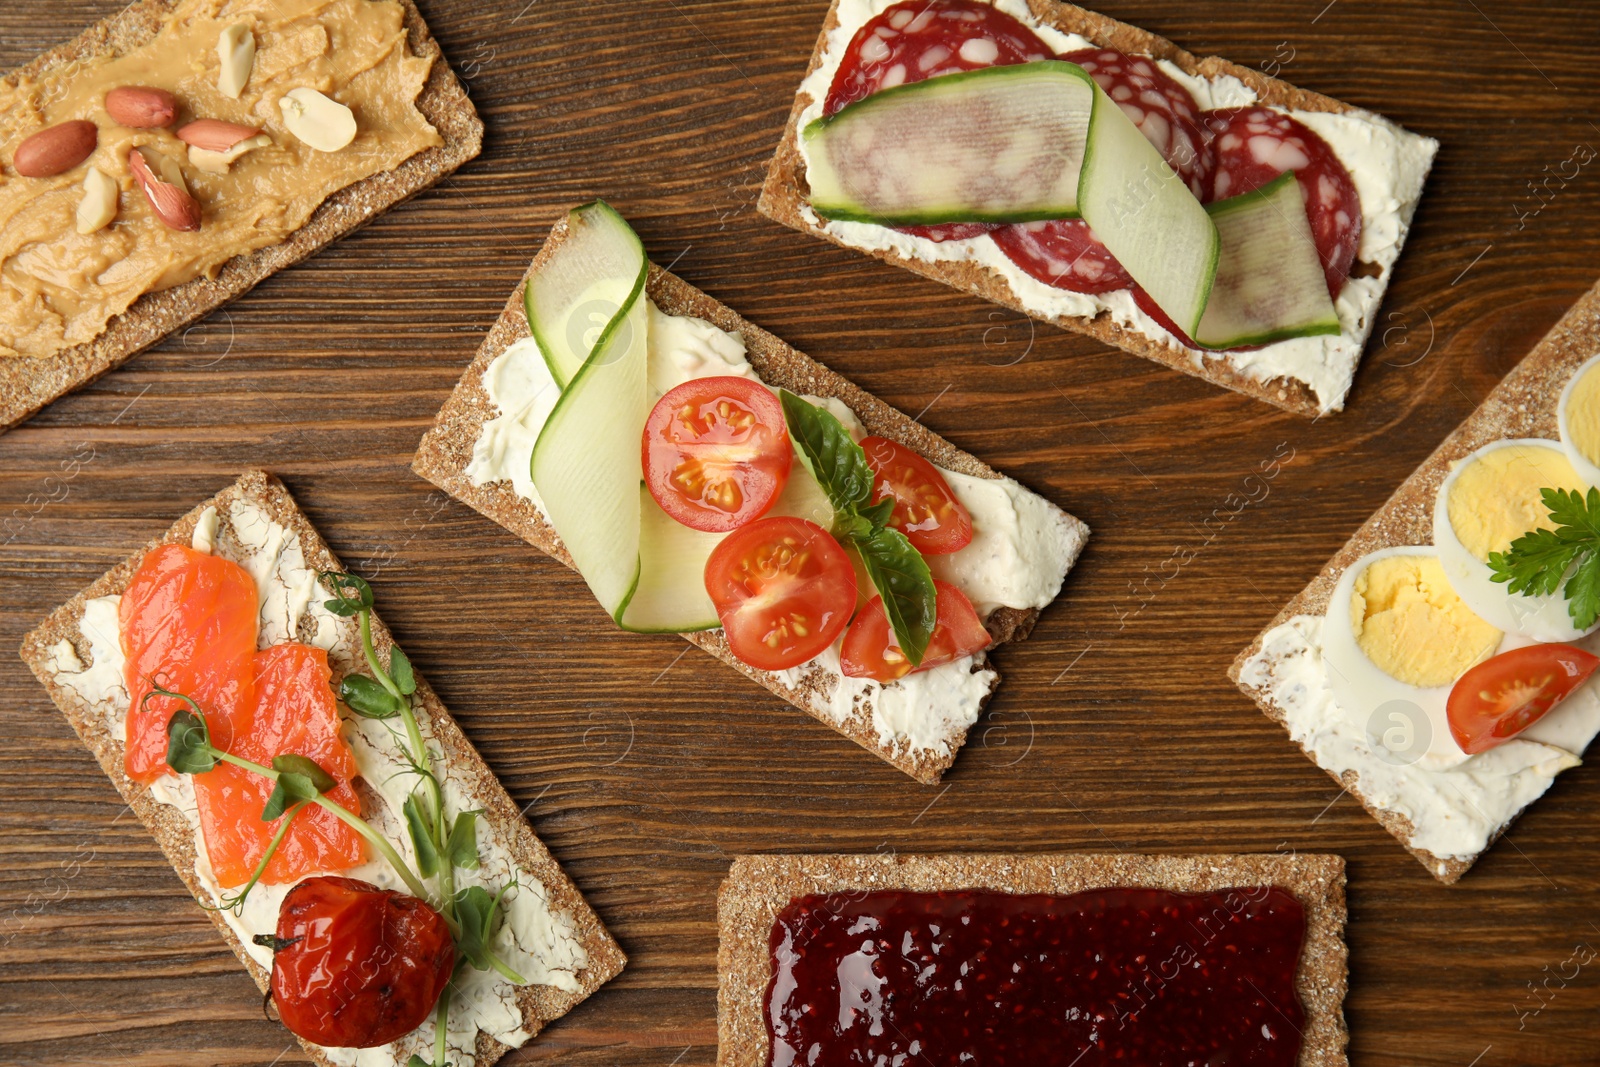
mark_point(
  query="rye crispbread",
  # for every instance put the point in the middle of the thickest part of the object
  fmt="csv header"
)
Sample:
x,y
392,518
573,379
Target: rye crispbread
x,y
172,831
1522,405
784,199
446,450
758,887
26,384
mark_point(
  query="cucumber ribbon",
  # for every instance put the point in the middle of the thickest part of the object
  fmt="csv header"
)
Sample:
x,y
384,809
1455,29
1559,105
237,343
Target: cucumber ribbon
x,y
1038,141
588,311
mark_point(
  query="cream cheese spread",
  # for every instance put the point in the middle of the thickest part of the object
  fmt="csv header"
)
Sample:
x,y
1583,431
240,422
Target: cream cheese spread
x,y
1387,163
1021,550
536,940
1454,811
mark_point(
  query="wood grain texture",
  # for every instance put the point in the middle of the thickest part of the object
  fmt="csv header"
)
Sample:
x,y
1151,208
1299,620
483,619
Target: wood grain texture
x,y
1117,727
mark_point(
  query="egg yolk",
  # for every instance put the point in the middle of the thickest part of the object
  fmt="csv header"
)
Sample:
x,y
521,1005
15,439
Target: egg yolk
x,y
1411,624
1495,499
1583,415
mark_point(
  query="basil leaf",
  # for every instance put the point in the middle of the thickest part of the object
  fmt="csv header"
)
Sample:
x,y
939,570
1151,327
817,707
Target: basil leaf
x,y
906,585
463,845
837,461
400,672
307,768
421,838
188,744
879,514
351,594
367,698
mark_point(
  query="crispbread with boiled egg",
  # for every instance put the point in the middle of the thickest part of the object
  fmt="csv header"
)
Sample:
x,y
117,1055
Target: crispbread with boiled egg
x,y
785,199
1522,407
28,384
61,642
759,887
446,452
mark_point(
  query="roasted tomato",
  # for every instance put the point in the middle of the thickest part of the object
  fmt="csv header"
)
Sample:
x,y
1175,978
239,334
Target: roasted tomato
x,y
355,966
869,650
783,588
716,452
1504,695
925,509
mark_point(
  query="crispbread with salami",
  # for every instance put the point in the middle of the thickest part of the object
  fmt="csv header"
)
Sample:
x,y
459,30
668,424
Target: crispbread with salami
x,y
62,642
759,889
1025,277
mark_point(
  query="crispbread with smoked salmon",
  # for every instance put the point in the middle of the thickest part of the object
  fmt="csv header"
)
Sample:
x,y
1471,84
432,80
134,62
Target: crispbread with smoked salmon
x,y
173,832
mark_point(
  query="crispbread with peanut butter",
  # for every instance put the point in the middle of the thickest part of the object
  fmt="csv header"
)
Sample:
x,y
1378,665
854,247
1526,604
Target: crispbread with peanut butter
x,y
1521,406
446,451
27,384
758,887
540,1004
785,199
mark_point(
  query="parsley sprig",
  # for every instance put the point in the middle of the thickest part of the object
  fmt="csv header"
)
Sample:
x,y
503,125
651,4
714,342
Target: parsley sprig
x,y
442,842
892,562
1537,562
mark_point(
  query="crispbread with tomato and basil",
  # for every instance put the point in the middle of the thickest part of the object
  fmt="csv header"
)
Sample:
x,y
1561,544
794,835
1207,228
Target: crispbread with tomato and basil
x,y
356,853
1441,665
1096,176
707,479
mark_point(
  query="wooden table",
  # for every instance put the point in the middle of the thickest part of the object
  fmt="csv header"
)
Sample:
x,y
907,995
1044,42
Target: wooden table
x,y
646,768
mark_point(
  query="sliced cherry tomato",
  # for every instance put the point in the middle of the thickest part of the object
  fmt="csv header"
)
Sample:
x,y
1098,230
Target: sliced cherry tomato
x,y
784,589
925,509
1504,695
716,452
355,966
869,650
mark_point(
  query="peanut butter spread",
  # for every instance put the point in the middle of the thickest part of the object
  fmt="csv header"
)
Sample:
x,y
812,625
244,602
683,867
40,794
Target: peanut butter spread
x,y
59,287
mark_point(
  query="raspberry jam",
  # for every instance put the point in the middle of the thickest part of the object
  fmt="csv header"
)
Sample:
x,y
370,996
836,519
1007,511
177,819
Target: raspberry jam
x,y
1111,976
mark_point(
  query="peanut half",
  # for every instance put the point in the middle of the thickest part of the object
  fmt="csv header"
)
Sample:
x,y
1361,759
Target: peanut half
x,y
219,162
214,135
141,107
99,204
319,121
56,150
236,48
168,196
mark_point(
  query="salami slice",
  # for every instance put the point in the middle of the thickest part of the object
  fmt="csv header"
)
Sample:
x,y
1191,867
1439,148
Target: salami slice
x,y
1253,145
920,39
1066,253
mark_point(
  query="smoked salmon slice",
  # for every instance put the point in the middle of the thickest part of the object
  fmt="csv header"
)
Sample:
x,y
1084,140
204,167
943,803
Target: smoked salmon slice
x,y
188,623
294,712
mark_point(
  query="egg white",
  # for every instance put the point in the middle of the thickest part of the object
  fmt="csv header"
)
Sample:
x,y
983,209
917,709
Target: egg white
x,y
1580,462
1362,689
1539,618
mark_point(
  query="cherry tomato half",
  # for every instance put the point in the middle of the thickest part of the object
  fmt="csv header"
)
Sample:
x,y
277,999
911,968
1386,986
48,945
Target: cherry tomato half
x,y
869,650
925,509
1505,694
783,588
716,452
356,966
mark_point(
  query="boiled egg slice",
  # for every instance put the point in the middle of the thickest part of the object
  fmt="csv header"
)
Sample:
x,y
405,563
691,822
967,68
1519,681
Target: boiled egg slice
x,y
1396,637
1578,416
1490,499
